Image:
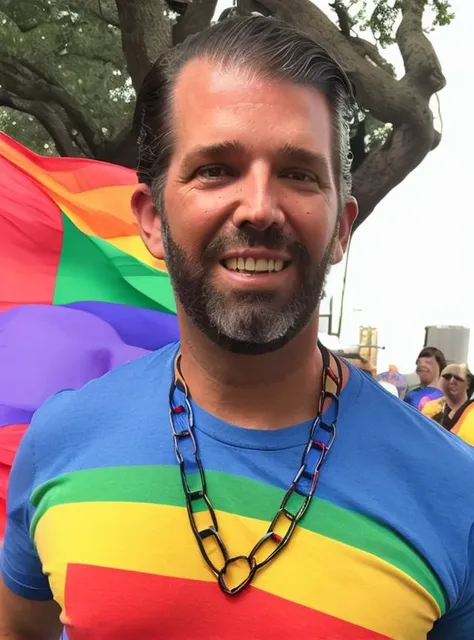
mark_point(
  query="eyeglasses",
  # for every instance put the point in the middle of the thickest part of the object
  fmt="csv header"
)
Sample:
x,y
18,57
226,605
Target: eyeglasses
x,y
448,376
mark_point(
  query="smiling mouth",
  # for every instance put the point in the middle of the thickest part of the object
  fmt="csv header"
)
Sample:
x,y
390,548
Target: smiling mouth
x,y
252,265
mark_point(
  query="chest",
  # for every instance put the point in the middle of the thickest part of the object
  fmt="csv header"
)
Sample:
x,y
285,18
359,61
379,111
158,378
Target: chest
x,y
123,563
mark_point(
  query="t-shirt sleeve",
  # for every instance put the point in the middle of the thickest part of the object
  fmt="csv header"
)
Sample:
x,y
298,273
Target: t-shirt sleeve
x,y
458,623
20,565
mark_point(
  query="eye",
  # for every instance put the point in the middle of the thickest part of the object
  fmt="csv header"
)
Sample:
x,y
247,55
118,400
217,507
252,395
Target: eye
x,y
300,176
213,172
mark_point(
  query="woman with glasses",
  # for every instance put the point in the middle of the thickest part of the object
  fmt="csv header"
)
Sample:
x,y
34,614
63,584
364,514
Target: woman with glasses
x,y
455,410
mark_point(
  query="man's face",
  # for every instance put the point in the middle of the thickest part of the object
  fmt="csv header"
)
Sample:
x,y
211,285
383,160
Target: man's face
x,y
427,370
248,221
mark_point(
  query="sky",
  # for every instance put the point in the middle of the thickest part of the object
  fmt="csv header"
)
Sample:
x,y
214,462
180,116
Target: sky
x,y
411,262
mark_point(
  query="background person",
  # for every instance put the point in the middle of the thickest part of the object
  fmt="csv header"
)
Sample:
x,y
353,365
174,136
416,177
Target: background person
x,y
429,364
398,382
455,410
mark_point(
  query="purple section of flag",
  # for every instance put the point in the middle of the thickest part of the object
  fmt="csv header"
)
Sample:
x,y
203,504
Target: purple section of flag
x,y
45,349
139,327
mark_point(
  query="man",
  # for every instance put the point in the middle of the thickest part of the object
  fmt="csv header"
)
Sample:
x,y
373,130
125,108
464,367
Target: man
x,y
196,492
429,364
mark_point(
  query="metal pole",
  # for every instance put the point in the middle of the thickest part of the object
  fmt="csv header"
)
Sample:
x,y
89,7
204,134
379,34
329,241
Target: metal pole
x,y
343,294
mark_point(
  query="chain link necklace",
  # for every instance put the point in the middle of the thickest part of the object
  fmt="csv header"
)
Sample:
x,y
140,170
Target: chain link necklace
x,y
295,501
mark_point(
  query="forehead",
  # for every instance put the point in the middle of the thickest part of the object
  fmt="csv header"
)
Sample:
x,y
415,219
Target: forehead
x,y
212,104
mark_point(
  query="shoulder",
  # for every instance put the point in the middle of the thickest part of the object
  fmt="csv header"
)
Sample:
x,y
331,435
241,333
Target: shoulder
x,y
412,396
408,430
413,474
413,391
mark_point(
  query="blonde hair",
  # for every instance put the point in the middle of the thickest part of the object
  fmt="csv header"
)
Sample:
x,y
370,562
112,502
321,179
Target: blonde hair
x,y
460,370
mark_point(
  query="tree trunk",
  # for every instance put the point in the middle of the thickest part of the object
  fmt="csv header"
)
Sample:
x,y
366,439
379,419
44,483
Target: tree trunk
x,y
197,17
146,32
122,150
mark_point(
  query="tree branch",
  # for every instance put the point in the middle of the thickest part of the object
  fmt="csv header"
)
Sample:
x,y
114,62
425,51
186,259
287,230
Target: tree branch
x,y
267,8
371,53
29,22
384,169
121,150
178,6
46,115
197,16
422,66
377,90
32,83
343,18
105,10
146,32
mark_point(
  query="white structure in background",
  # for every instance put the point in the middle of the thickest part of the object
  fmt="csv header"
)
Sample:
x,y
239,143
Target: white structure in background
x,y
452,340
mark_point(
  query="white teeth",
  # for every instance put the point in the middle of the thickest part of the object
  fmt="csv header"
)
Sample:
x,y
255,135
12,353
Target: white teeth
x,y
262,265
279,265
252,265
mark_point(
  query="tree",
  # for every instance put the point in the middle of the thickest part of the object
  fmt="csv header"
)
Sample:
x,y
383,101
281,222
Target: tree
x,y
69,71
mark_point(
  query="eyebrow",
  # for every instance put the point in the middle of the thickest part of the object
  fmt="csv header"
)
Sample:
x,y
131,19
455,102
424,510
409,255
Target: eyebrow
x,y
293,153
300,155
210,151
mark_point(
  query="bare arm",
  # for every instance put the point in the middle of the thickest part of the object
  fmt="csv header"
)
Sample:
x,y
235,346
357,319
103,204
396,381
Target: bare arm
x,y
22,619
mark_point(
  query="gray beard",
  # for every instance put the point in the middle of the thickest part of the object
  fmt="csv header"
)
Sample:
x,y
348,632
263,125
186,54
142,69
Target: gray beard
x,y
243,321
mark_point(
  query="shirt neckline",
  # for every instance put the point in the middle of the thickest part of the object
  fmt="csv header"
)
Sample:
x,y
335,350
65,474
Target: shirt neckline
x,y
274,439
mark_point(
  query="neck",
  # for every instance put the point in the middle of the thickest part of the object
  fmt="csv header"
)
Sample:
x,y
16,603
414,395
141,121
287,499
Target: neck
x,y
268,391
456,405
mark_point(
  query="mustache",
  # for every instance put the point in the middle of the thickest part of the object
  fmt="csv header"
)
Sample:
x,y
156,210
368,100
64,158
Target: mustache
x,y
248,238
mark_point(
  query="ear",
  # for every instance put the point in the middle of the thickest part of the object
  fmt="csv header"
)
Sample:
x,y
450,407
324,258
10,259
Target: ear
x,y
149,220
346,220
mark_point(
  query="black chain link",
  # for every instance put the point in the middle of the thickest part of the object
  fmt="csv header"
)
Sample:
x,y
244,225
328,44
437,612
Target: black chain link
x,y
287,516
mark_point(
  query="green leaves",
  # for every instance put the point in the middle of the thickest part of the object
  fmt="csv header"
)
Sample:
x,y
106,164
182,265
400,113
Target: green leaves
x,y
380,19
77,45
443,14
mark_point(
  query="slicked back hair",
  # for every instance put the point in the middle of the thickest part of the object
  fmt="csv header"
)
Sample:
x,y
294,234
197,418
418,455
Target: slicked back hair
x,y
270,47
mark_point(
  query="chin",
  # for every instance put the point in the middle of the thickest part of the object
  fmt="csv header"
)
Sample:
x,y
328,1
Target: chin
x,y
249,348
253,339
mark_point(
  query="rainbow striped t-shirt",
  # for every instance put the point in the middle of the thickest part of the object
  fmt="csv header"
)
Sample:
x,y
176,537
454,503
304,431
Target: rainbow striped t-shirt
x,y
97,520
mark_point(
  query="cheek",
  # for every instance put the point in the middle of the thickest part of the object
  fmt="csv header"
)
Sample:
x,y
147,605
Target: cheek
x,y
313,219
194,217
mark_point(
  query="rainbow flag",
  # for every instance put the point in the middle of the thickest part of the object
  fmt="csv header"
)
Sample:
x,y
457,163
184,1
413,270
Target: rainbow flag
x,y
79,293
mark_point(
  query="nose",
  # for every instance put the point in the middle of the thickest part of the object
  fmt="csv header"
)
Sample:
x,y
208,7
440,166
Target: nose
x,y
258,201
